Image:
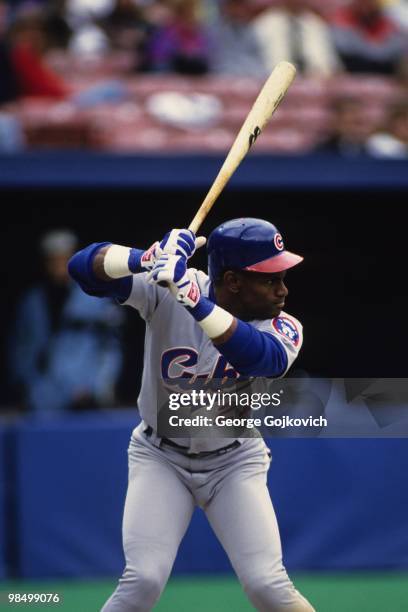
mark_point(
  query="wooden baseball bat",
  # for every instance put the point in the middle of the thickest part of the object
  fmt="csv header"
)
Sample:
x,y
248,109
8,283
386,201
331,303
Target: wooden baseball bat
x,y
262,110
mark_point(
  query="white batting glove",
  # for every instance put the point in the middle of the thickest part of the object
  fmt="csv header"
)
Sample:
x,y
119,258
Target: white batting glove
x,y
168,269
181,242
150,256
188,293
172,269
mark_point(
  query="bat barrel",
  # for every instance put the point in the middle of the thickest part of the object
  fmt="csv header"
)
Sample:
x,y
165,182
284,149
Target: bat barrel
x,y
268,100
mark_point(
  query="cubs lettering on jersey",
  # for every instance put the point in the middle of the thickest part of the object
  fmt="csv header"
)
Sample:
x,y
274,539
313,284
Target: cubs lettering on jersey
x,y
178,362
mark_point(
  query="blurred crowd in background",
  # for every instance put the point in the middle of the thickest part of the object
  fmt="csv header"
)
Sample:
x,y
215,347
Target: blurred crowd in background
x,y
155,75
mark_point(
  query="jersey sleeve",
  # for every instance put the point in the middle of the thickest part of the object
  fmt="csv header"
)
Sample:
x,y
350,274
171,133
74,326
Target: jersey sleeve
x,y
289,331
144,297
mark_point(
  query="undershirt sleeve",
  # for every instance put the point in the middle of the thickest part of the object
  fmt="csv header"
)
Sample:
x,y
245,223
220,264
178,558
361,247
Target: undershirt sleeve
x,y
80,268
253,352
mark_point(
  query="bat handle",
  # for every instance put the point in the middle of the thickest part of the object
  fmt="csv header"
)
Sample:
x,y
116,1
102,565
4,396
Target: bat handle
x,y
195,224
201,214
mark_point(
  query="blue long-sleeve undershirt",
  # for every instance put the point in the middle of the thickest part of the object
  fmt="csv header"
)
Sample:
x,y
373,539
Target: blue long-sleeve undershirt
x,y
80,268
253,352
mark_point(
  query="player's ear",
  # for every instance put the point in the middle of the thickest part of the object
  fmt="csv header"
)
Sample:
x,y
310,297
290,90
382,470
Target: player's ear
x,y
232,281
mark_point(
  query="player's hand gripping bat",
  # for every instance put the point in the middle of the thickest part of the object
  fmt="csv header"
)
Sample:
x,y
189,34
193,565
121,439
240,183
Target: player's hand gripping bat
x,y
264,106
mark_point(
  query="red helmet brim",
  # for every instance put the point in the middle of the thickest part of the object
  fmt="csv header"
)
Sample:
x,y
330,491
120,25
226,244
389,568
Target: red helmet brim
x,y
278,263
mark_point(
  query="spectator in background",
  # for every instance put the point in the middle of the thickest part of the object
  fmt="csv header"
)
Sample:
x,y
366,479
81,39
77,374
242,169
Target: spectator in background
x,y
88,38
82,11
8,79
65,352
128,30
397,10
350,129
294,32
27,46
392,141
179,43
11,132
235,47
25,60
57,29
367,39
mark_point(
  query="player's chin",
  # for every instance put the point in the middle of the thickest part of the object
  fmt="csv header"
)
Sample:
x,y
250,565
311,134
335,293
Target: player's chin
x,y
276,309
276,312
270,313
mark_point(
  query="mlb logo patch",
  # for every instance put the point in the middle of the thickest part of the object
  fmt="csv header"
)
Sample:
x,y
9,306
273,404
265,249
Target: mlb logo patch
x,y
286,327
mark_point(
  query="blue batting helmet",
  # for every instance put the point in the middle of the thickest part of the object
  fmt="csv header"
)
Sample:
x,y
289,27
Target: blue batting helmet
x,y
248,244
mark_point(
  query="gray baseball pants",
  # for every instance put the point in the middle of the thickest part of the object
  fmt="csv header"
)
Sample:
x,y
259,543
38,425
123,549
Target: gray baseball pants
x,y
165,486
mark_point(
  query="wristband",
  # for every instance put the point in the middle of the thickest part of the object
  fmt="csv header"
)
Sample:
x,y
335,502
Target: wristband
x,y
212,319
120,261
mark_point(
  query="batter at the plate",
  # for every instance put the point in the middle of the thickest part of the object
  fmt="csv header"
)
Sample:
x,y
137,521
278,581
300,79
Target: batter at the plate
x,y
228,323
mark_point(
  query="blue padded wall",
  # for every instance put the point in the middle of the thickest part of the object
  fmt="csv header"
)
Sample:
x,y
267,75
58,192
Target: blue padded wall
x,y
341,504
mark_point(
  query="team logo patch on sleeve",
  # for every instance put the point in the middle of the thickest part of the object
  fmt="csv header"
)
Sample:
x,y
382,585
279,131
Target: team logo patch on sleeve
x,y
286,327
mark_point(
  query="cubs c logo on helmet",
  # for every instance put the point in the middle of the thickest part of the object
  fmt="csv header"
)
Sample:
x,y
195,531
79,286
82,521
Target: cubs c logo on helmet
x,y
278,240
286,327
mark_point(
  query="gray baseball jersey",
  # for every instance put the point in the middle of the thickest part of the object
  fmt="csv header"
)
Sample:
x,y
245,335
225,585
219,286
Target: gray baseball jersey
x,y
176,346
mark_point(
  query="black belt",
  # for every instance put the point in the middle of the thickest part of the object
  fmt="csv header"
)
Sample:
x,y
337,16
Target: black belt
x,y
184,449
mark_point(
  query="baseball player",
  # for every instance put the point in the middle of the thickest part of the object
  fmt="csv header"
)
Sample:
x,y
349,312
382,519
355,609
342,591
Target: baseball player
x,y
227,324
